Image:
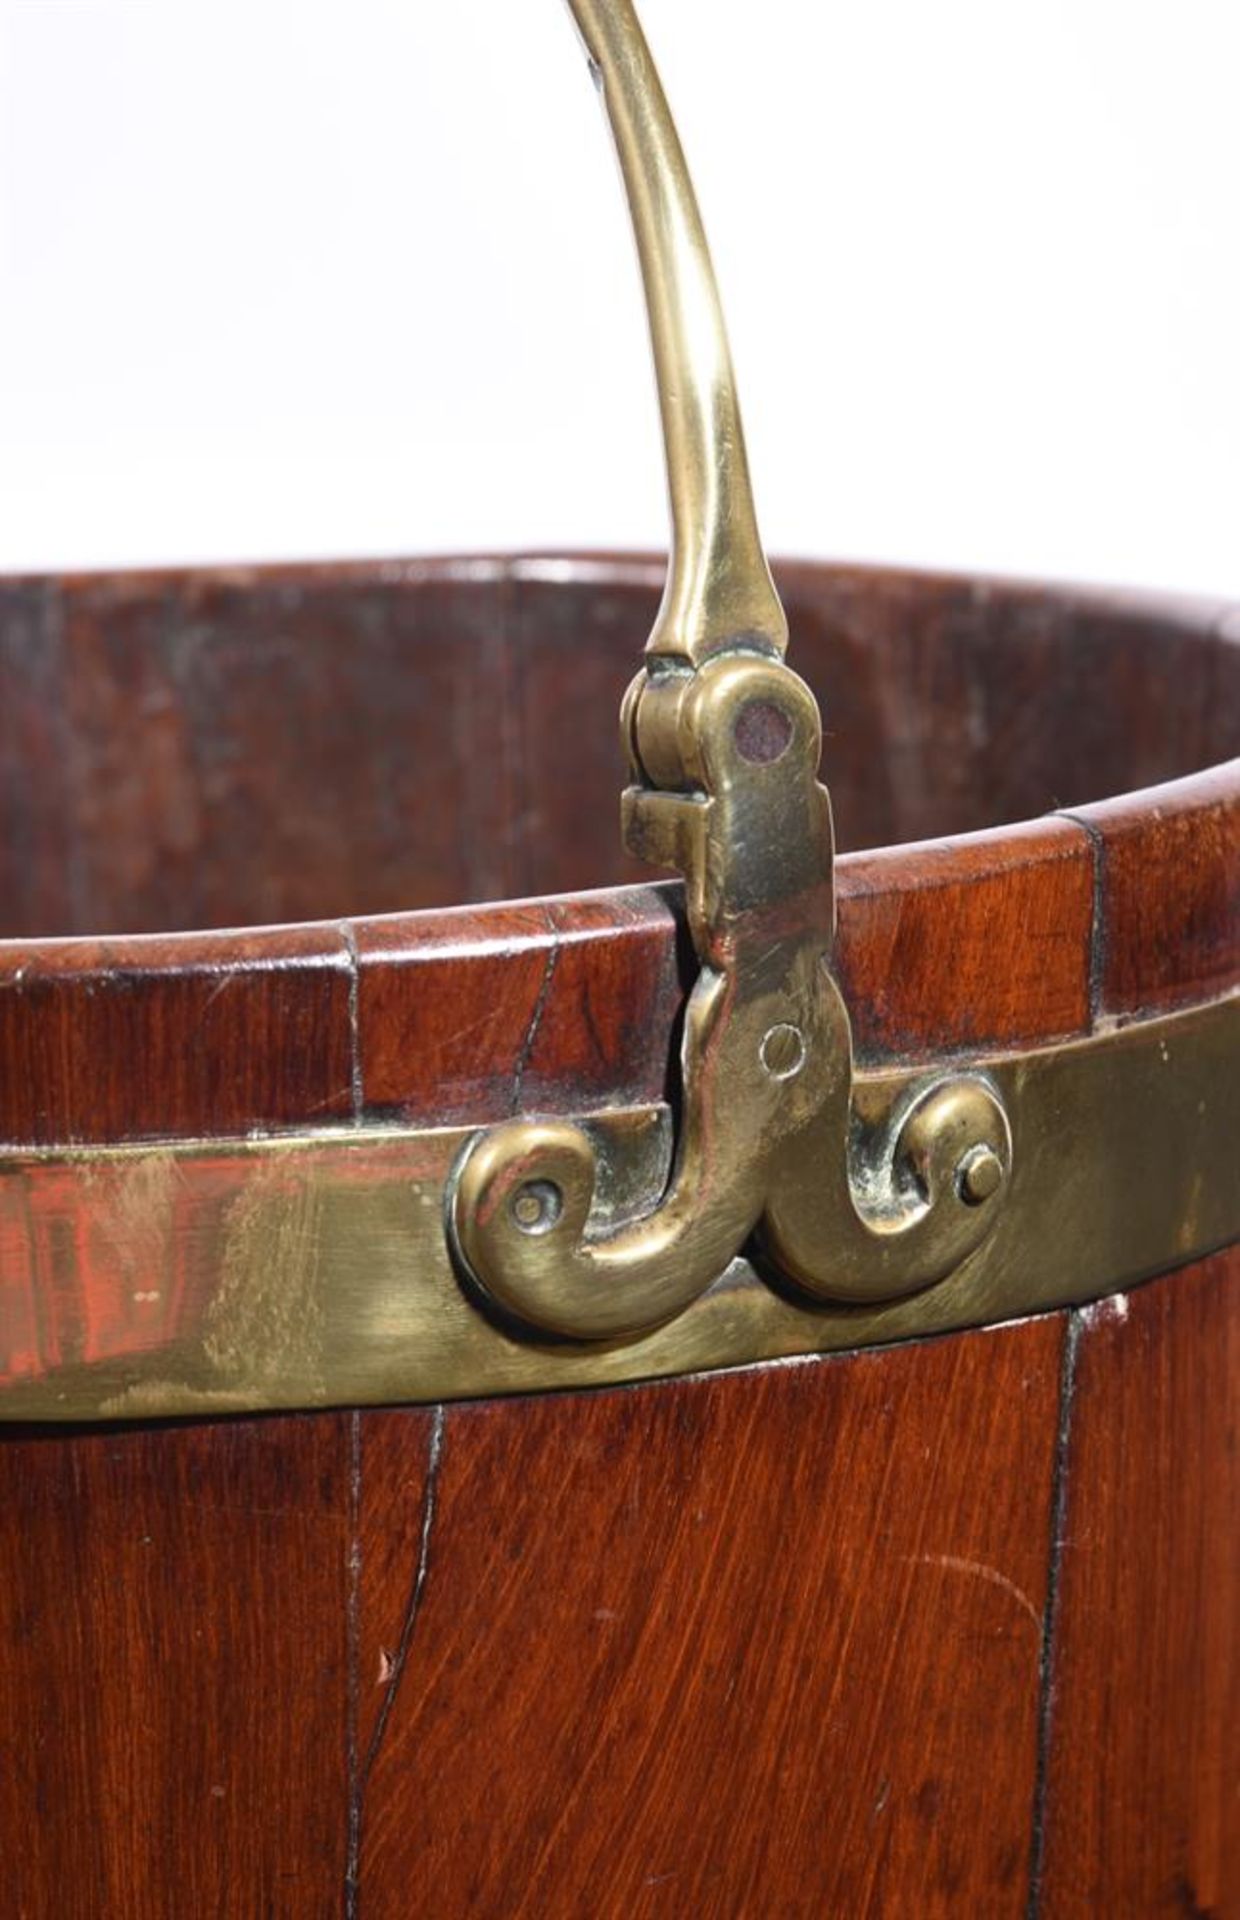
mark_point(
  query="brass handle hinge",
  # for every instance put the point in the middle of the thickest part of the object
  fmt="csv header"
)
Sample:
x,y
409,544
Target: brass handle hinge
x,y
723,741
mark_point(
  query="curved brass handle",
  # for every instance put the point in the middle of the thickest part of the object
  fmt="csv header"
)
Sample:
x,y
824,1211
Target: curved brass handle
x,y
718,584
724,743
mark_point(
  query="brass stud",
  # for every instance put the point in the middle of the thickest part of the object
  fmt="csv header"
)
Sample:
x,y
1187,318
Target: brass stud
x,y
980,1174
536,1206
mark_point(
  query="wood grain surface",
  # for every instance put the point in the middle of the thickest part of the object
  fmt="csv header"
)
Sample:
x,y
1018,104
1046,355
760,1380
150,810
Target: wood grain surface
x,y
724,1647
243,746
949,1628
565,1003
1169,866
174,1671
968,943
150,1039
776,1642
1142,1806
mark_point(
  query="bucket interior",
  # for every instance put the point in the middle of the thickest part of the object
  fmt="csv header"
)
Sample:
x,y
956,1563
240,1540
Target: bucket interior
x,y
245,747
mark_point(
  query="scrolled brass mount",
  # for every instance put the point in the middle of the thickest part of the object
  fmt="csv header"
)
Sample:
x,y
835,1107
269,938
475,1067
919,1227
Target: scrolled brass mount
x,y
769,1143
723,741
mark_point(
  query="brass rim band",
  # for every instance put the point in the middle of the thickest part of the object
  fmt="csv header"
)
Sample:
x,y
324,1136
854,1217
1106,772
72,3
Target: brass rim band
x,y
313,1271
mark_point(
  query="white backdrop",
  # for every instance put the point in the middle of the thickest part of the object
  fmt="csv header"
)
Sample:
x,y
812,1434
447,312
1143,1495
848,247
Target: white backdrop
x,y
286,279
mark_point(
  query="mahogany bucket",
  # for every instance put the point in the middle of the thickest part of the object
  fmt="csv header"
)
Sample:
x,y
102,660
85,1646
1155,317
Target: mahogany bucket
x,y
701,1395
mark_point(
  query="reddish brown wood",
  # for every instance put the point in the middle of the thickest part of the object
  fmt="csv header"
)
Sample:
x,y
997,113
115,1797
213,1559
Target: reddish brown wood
x,y
254,745
174,1670
238,746
1170,864
572,1001
37,827
1142,1808
445,1002
997,701
730,1647
464,1016
968,943
412,731
148,1038
763,1643
574,654
977,942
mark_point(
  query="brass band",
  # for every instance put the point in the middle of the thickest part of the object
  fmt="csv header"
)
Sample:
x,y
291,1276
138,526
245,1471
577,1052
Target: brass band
x,y
313,1271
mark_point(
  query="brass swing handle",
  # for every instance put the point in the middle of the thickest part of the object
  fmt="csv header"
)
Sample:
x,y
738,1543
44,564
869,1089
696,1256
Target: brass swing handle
x,y
724,741
718,582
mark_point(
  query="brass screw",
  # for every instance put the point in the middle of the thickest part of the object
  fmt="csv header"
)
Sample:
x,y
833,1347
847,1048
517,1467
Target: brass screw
x,y
536,1206
783,1051
980,1174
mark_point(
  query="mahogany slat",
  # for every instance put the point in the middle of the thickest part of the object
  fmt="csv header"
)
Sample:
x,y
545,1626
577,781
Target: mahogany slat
x,y
38,827
1170,865
462,1016
577,642
243,745
149,1038
254,745
1033,696
173,1668
1142,1811
761,1644
983,941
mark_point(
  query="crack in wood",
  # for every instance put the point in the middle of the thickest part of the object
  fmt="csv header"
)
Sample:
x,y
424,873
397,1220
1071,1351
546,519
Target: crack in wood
x,y
536,1018
356,1088
413,1607
1046,1678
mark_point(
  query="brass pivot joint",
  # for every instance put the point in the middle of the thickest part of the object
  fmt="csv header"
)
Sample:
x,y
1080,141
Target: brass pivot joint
x,y
850,1208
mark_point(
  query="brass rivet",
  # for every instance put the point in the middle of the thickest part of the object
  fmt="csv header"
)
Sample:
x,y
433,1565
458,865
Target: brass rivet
x,y
783,1051
980,1174
536,1206
762,732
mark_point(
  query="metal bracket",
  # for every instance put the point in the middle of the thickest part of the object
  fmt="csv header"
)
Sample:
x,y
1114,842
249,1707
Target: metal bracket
x,y
769,1142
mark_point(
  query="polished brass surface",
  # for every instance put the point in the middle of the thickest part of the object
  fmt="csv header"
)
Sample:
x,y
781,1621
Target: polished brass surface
x,y
313,1271
718,584
723,743
769,1140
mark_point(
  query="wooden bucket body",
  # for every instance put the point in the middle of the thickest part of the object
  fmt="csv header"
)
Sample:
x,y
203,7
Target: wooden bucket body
x,y
948,1627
